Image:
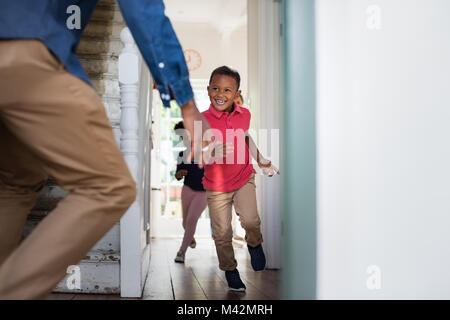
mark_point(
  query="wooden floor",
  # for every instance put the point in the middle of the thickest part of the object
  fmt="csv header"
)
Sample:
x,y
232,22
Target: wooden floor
x,y
199,278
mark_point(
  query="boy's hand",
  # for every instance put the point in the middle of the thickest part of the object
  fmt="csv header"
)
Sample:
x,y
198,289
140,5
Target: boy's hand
x,y
268,168
217,150
180,174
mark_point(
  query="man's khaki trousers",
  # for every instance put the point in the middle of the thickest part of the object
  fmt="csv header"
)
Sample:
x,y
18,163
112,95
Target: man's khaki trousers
x,y
219,204
52,123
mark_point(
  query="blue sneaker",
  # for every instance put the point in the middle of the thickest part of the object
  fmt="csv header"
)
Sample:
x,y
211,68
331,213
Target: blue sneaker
x,y
234,281
258,259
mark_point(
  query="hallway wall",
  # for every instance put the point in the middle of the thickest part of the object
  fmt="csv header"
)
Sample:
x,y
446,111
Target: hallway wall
x,y
217,48
383,154
216,30
298,152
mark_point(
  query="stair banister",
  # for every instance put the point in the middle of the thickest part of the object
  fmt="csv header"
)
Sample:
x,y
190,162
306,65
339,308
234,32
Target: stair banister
x,y
130,245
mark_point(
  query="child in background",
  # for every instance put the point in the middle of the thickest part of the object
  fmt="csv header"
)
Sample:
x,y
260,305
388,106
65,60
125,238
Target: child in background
x,y
234,183
193,197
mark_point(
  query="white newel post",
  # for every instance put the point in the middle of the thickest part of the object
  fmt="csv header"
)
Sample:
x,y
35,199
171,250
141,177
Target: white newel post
x,y
130,244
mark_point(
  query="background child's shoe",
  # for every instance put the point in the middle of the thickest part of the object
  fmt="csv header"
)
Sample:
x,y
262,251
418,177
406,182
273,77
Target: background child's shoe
x,y
193,244
180,257
257,257
234,281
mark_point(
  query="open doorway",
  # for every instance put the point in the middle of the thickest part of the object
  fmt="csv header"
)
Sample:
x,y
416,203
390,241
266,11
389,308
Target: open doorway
x,y
244,35
212,34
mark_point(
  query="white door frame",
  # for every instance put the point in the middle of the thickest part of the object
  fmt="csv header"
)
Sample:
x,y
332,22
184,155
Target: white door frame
x,y
264,91
135,88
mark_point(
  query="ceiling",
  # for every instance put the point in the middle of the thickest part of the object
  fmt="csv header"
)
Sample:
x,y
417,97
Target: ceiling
x,y
225,15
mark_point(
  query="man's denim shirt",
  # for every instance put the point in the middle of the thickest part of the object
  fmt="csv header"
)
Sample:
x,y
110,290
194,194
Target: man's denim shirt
x,y
46,20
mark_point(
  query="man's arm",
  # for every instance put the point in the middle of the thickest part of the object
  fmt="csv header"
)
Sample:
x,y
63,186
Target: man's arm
x,y
162,52
160,48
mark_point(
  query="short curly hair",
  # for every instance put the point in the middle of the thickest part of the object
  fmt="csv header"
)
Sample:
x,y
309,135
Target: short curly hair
x,y
226,71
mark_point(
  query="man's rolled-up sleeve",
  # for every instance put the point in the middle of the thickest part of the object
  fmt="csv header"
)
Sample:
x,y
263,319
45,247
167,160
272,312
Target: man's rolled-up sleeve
x,y
160,48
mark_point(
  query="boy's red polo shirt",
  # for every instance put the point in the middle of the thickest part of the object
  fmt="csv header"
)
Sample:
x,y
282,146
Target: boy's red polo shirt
x,y
236,169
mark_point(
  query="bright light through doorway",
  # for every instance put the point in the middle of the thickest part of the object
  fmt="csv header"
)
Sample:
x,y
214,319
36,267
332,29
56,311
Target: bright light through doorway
x,y
212,34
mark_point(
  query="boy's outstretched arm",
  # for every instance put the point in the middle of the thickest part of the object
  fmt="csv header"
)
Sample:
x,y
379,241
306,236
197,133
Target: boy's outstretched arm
x,y
266,165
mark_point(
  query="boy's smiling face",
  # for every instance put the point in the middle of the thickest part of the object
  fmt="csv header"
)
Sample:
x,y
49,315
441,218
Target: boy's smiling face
x,y
222,92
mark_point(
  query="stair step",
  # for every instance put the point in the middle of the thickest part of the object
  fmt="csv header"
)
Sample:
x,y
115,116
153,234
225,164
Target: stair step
x,y
98,85
95,45
110,14
49,197
103,13
99,273
96,68
102,29
98,29
107,3
92,45
96,256
106,86
109,242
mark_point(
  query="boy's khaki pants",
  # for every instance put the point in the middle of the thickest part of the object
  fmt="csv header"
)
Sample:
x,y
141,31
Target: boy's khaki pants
x,y
219,204
52,123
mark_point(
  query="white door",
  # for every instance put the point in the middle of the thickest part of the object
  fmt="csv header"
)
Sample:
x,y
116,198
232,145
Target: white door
x,y
265,105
